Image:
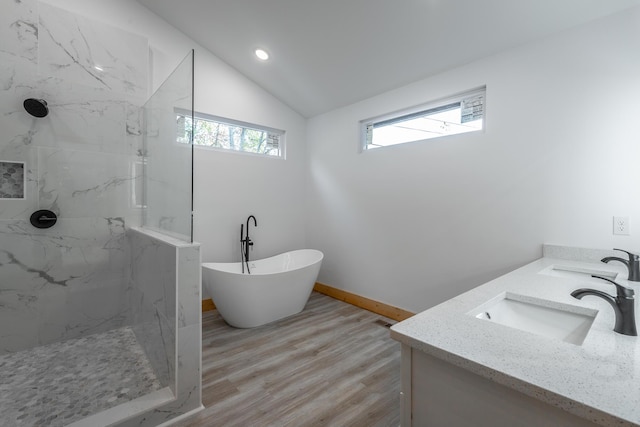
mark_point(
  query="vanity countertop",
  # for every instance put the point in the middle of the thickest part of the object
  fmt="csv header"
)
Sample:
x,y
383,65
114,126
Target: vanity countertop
x,y
598,380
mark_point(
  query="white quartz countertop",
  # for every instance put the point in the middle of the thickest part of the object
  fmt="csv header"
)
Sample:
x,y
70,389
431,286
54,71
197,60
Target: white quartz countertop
x,y
598,380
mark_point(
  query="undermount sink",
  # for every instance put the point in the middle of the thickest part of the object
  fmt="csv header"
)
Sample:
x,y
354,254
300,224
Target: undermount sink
x,y
582,273
549,319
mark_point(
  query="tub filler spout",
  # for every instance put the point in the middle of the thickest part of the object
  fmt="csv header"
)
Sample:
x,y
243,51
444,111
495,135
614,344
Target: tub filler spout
x,y
245,242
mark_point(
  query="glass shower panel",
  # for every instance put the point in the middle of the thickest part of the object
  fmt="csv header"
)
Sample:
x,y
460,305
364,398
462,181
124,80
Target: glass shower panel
x,y
168,155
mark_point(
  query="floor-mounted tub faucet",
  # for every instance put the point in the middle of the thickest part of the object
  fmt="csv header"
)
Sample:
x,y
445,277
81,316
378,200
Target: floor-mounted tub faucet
x,y
633,264
248,241
245,242
623,305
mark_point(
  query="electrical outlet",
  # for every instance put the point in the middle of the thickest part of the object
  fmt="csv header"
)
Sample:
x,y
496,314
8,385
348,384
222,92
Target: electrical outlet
x,y
621,225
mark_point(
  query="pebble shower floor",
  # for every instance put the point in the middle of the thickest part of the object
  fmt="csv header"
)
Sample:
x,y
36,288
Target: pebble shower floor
x,y
57,384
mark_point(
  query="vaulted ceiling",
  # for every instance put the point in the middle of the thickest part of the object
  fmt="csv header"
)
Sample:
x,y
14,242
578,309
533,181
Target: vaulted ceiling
x,y
329,53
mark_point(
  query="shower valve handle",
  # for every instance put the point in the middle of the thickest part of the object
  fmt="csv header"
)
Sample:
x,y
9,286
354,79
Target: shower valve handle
x,y
43,218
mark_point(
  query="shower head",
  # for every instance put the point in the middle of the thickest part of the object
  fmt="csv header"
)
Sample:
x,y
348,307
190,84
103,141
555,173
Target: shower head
x,y
36,107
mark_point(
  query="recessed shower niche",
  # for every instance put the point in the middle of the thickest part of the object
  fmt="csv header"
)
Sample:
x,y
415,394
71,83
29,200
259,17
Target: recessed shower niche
x,y
12,180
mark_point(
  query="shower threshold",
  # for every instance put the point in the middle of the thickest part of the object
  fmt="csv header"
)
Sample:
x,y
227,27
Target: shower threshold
x,y
61,384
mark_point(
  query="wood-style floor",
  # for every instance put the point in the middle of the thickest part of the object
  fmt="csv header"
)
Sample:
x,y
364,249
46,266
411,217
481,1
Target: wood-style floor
x,y
331,365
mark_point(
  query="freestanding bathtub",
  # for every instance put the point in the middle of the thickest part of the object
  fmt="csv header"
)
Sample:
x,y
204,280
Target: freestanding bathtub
x,y
276,288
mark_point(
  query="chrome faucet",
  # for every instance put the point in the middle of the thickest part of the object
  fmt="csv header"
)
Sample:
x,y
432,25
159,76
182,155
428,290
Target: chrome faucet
x,y
623,306
633,265
245,242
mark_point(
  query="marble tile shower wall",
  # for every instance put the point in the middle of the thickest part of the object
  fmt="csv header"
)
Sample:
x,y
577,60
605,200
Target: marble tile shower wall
x,y
71,279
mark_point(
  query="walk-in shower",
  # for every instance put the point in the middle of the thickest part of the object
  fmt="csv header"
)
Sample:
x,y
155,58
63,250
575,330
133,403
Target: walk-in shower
x,y
96,309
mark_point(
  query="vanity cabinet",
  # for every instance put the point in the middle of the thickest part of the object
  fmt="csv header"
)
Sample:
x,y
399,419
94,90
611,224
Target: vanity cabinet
x,y
437,393
462,369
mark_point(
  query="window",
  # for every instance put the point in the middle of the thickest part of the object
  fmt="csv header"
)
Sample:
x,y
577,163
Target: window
x,y
458,114
227,134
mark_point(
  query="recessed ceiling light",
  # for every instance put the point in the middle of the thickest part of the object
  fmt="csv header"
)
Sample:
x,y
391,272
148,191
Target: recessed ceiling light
x,y
261,54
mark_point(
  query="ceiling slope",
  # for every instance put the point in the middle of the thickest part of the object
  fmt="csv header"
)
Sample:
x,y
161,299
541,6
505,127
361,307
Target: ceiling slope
x,y
329,53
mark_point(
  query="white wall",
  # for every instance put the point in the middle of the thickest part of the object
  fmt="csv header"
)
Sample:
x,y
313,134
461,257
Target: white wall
x,y
228,187
416,224
231,186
